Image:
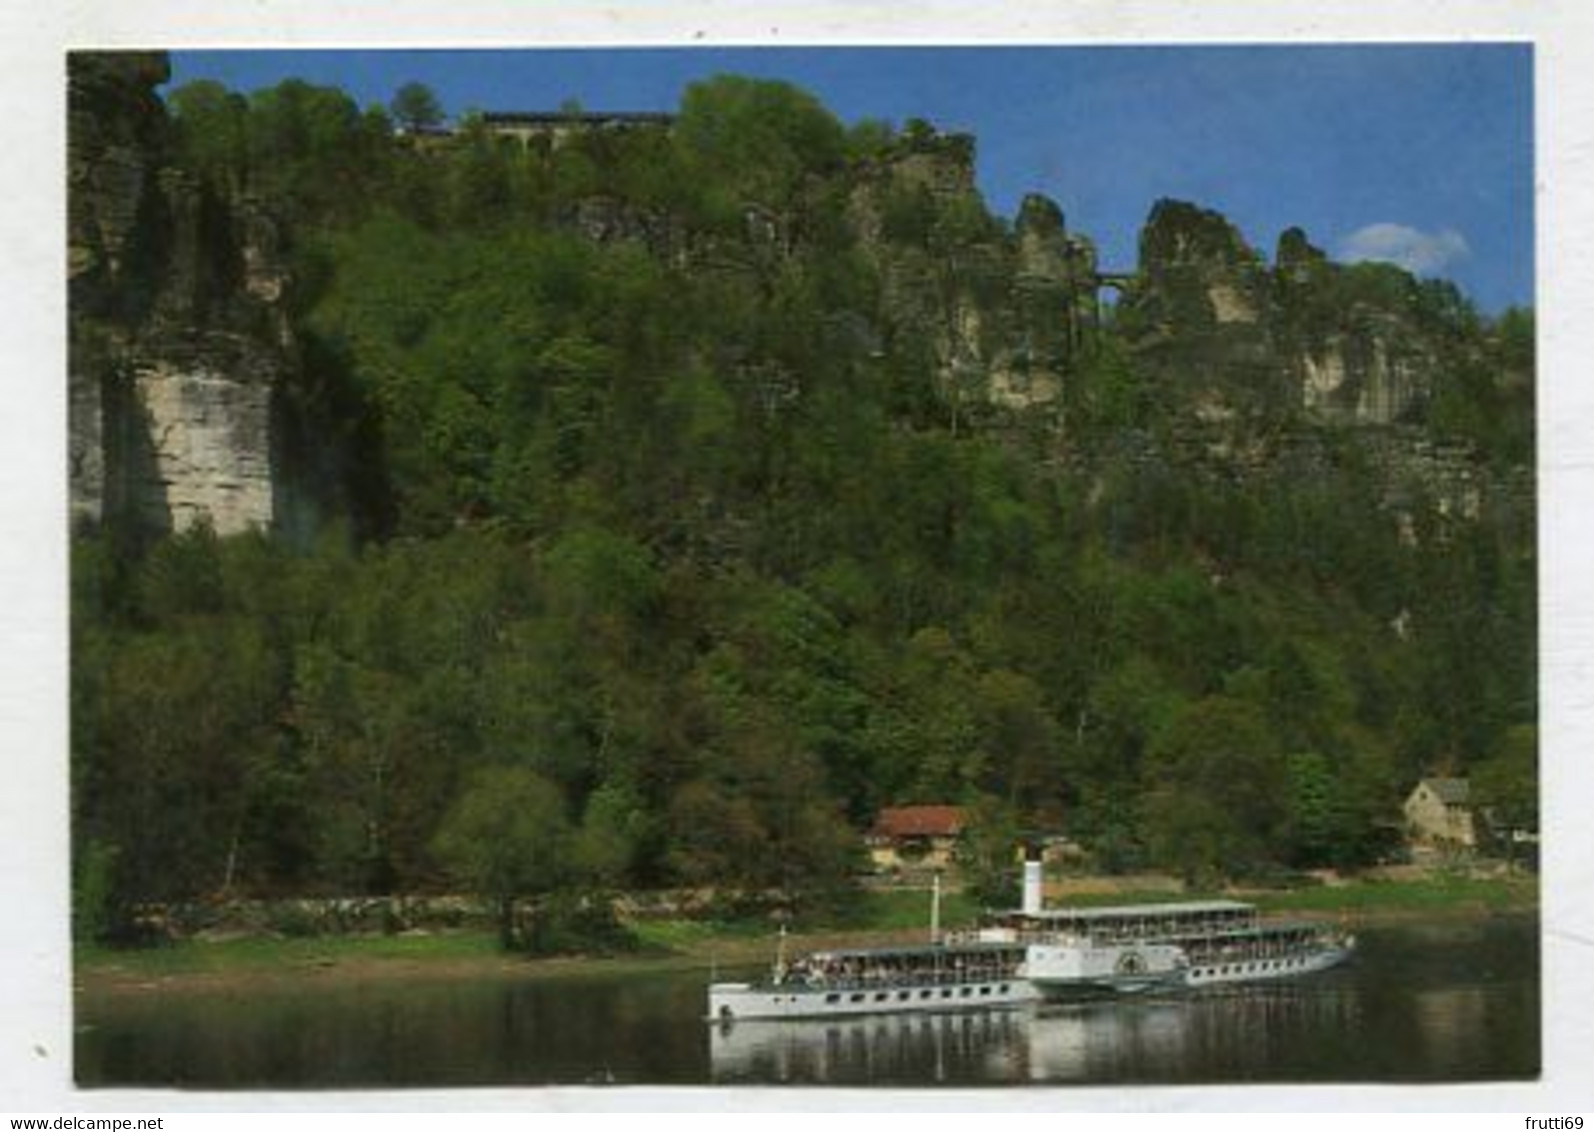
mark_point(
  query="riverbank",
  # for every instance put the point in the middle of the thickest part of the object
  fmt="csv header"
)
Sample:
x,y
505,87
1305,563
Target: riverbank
x,y
879,919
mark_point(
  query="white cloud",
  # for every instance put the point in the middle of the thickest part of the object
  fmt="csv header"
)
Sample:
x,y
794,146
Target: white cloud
x,y
1423,253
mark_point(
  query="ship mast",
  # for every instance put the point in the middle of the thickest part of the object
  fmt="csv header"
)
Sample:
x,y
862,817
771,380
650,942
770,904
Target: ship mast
x,y
935,907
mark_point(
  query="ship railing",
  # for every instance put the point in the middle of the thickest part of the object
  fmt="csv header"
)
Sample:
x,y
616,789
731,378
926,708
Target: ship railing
x,y
1287,940
1089,929
893,979
1012,937
1186,931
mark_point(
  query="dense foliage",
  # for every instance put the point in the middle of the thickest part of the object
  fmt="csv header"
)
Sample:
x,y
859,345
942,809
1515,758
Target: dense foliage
x,y
677,575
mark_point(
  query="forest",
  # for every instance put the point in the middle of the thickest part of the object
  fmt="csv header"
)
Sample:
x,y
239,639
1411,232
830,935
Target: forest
x,y
655,569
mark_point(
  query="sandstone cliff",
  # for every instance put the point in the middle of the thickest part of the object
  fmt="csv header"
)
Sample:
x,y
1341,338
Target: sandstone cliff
x,y
1002,315
1209,316
178,337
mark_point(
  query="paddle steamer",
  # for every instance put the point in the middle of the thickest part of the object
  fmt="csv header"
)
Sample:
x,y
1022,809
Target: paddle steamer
x,y
1033,954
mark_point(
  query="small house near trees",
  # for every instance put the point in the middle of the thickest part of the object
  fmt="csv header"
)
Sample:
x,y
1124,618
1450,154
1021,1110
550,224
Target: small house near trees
x,y
916,837
1440,815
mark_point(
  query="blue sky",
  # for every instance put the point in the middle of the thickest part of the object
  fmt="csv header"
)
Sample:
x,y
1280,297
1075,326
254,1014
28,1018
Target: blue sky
x,y
1420,154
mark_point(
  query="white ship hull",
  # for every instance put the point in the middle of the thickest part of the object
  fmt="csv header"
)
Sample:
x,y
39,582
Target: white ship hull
x,y
1270,967
1073,970
737,1001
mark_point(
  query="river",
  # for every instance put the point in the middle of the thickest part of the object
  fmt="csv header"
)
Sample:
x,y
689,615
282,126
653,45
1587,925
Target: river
x,y
1443,1003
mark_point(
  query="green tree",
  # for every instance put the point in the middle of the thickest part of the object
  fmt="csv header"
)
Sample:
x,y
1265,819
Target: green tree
x,y
714,834
758,137
777,829
308,149
212,128
508,838
1322,825
1506,784
987,853
94,909
1217,798
924,736
1022,744
171,757
416,107
1105,395
870,139
616,827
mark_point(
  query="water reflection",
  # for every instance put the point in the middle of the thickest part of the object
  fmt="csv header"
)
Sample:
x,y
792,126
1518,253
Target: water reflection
x,y
1460,1004
1453,1024
1199,1037
923,1048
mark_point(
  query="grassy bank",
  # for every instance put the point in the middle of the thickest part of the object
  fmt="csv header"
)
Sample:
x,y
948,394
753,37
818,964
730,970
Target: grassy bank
x,y
875,918
1372,901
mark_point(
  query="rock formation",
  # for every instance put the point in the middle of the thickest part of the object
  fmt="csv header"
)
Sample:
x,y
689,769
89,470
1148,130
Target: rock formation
x,y
1200,317
181,348
178,338
1218,326
1003,316
1252,363
1359,361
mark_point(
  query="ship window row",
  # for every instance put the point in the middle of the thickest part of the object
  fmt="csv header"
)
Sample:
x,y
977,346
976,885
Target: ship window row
x,y
904,996
1245,968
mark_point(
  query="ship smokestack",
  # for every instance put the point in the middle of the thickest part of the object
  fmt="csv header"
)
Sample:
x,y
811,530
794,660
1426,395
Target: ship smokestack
x,y
1032,886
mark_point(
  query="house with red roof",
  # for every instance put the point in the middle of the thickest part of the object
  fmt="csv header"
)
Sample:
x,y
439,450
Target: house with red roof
x,y
915,837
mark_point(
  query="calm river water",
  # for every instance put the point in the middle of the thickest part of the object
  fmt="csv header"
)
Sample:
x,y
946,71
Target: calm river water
x,y
1446,1003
